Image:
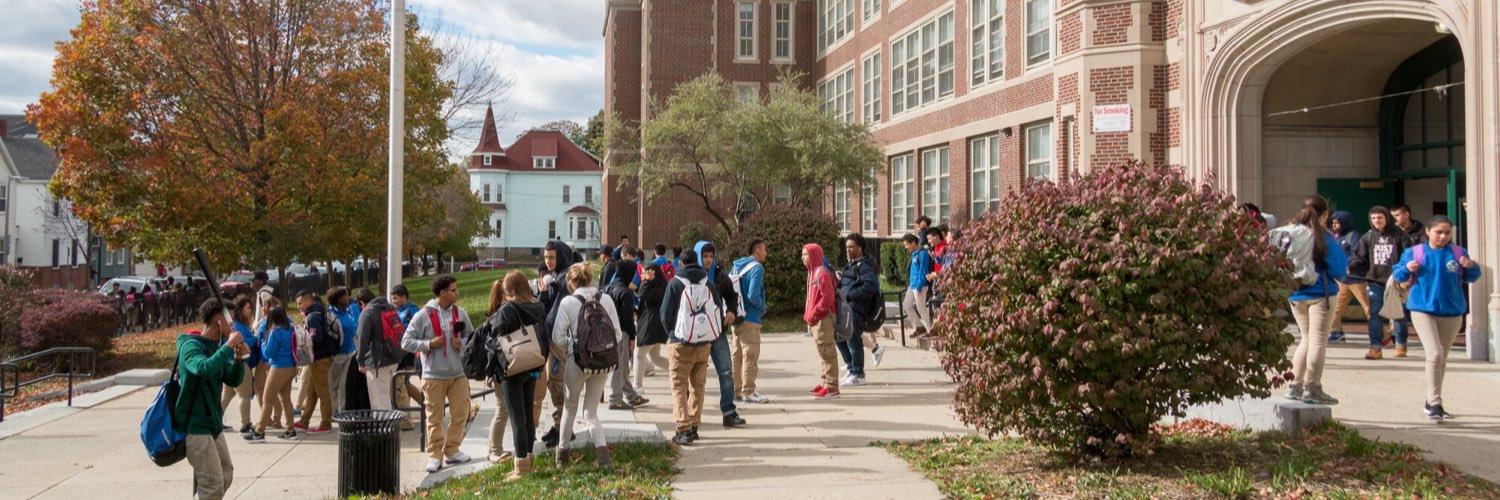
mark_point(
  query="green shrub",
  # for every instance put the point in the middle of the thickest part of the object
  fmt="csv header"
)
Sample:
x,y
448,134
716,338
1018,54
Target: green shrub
x,y
1081,313
894,260
785,229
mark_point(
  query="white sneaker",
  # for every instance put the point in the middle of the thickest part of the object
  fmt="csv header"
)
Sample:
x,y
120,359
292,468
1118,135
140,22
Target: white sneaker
x,y
757,397
434,464
878,353
855,381
457,457
846,380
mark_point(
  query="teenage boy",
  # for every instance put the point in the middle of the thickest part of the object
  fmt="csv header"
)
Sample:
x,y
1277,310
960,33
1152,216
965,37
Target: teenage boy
x,y
325,347
437,332
751,271
624,243
1414,228
689,362
379,354
401,299
718,279
557,257
819,315
206,362
920,265
923,224
343,309
860,286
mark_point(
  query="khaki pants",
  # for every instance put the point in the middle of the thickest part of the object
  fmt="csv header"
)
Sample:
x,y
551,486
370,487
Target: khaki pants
x,y
253,380
1437,334
827,352
1354,291
555,386
305,392
915,308
540,393
338,373
746,354
585,388
497,424
455,393
689,372
318,396
1313,319
212,469
647,358
276,395
378,380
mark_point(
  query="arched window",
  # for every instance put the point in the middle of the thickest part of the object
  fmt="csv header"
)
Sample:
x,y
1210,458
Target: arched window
x,y
1422,134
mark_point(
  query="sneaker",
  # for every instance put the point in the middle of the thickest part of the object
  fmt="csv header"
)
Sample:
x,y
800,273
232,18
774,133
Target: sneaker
x,y
649,372
816,390
1335,337
847,378
921,332
878,353
855,381
246,429
1294,392
738,398
433,465
319,429
274,425
733,420
682,438
1400,351
254,437
757,397
827,394
1374,353
639,400
301,427
550,439
1316,396
693,433
620,405
501,458
457,457
1435,412
288,435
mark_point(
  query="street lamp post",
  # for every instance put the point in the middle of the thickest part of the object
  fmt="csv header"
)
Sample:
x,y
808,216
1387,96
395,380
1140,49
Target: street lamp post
x,y
395,192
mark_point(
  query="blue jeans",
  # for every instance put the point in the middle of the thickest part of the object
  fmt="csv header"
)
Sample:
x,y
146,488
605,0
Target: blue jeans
x,y
853,352
1376,294
724,366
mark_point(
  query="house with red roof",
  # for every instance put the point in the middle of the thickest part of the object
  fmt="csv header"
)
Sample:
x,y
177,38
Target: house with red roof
x,y
543,187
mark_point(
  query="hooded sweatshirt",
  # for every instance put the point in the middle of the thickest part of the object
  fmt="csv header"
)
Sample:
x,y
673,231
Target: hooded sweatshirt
x,y
820,286
673,297
446,362
324,345
718,278
625,299
375,350
276,345
648,325
1348,239
512,316
349,320
565,332
204,367
1439,288
916,271
1378,252
559,287
861,287
752,288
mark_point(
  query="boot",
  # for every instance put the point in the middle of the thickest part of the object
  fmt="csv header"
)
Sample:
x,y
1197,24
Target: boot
x,y
562,458
521,467
601,456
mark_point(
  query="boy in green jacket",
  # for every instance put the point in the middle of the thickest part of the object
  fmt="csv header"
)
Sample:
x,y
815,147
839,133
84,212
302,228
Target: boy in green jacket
x,y
207,363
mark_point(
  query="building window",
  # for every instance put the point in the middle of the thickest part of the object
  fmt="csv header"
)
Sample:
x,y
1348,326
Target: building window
x,y
1039,151
499,193
870,9
500,228
57,208
867,207
838,95
488,160
4,198
984,181
551,229
783,193
922,65
580,229
987,32
486,193
902,179
73,253
1038,31
544,162
841,212
836,22
588,195
567,194
870,72
781,31
746,31
935,184
747,92
56,252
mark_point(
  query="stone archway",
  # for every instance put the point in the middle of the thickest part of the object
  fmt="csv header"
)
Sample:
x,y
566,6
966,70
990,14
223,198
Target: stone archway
x,y
1239,58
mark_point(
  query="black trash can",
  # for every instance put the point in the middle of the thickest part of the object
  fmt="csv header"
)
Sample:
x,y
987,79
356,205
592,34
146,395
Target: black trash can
x,y
369,451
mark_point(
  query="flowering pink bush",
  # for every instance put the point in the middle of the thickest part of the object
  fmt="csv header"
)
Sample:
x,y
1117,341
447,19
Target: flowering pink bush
x,y
1081,313
68,318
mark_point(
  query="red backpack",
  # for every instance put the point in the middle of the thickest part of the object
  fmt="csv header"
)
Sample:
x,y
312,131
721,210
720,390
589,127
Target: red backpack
x,y
391,326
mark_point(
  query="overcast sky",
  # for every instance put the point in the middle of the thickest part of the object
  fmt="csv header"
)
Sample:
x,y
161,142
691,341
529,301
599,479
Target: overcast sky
x,y
553,49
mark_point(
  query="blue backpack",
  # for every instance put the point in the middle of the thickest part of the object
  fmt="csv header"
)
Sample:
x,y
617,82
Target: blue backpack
x,y
164,443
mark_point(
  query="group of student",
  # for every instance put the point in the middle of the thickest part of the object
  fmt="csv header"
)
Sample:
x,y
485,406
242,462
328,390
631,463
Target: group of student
x,y
1401,269
155,305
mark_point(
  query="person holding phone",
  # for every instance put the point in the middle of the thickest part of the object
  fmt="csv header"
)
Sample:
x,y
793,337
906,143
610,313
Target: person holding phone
x,y
436,334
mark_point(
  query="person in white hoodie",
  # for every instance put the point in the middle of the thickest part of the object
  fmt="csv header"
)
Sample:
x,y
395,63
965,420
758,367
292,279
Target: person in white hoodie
x,y
587,385
436,333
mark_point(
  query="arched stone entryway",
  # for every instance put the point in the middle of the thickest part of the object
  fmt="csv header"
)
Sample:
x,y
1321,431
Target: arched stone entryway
x,y
1258,65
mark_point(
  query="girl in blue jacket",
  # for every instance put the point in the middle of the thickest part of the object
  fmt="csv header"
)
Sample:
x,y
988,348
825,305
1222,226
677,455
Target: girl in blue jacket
x,y
1437,301
1311,304
255,367
276,336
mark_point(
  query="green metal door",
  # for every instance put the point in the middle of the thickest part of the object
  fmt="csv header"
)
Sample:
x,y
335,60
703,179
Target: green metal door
x,y
1357,196
1456,206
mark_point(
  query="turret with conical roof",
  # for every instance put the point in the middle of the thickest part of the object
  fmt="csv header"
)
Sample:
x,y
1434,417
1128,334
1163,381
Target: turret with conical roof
x,y
489,153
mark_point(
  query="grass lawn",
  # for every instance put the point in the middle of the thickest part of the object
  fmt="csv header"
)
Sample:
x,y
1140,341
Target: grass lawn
x,y
643,470
473,289
1196,460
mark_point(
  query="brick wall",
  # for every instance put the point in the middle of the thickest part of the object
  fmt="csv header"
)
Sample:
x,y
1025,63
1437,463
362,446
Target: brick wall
x,y
1070,33
70,277
1173,18
1111,86
1158,103
1111,24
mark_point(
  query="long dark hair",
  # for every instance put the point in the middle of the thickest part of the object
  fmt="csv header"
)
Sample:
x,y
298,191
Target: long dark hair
x,y
1314,215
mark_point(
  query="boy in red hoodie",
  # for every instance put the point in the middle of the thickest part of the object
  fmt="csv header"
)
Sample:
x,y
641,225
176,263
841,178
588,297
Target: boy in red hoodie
x,y
819,317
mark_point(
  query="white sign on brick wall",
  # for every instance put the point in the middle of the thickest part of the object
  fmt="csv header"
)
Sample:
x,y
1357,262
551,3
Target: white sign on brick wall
x,y
1112,118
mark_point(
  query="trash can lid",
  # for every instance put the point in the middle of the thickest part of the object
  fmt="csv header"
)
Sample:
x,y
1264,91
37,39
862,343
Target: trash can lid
x,y
368,416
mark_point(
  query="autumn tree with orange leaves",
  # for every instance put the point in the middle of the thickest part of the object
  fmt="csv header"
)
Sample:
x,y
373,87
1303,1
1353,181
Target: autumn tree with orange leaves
x,y
255,129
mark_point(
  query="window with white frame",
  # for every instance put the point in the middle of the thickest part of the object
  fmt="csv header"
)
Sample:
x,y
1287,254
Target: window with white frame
x,y
835,23
489,160
579,227
869,9
544,162
486,193
56,255
1038,31
837,93
588,195
987,32
567,194
841,212
4,198
867,208
870,73
984,172
499,193
1039,151
499,228
781,31
745,31
552,229
782,194
748,92
935,184
922,65
903,173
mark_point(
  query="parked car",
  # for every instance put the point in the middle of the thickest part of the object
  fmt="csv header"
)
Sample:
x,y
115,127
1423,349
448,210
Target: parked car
x,y
236,282
126,282
484,265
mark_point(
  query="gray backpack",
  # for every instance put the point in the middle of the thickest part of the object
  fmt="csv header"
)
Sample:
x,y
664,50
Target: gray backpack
x,y
1296,241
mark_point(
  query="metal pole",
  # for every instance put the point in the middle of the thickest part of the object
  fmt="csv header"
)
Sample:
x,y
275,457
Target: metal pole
x,y
395,188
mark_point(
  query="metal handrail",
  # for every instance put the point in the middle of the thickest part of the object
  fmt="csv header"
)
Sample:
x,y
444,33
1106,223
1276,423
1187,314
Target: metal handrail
x,y
10,386
900,317
401,379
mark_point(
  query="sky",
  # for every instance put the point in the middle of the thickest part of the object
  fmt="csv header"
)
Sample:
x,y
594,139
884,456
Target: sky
x,y
553,50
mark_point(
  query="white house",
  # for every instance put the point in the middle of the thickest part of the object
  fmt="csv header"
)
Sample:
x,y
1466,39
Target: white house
x,y
542,187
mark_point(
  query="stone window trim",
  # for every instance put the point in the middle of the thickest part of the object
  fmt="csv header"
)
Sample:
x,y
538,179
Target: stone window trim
x,y
746,31
790,22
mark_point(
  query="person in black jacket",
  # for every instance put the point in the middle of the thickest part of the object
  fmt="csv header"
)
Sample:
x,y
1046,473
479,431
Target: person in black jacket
x,y
650,334
718,276
557,256
689,361
378,353
859,285
325,345
1373,257
517,391
622,394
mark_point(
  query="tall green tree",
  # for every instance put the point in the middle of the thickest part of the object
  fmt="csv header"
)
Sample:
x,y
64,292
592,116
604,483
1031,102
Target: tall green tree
x,y
591,137
253,128
706,142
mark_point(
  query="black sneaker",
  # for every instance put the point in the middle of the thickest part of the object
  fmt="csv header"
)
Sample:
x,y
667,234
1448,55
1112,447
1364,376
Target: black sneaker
x,y
693,434
246,429
733,420
1436,412
639,400
254,437
288,435
682,438
550,439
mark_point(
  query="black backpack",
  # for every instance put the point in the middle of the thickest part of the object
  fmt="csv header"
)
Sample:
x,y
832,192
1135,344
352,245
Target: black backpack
x,y
475,355
874,312
594,340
